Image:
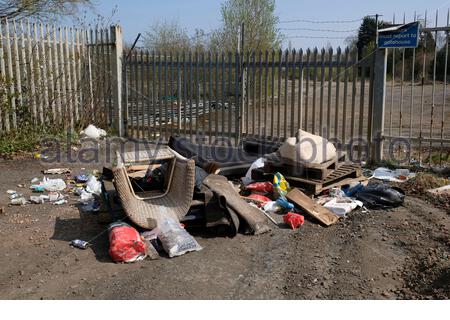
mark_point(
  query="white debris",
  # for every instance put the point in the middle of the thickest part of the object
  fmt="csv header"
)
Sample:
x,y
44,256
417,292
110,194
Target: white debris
x,y
93,132
53,185
399,175
255,165
86,197
94,186
441,191
342,206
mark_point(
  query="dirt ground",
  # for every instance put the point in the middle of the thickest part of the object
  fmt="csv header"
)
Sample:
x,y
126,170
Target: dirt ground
x,y
398,254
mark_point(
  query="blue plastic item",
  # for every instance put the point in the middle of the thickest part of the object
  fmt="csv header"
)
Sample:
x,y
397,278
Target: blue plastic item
x,y
37,188
82,178
285,204
350,192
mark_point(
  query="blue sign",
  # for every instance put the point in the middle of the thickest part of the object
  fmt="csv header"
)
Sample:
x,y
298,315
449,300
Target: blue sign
x,y
400,36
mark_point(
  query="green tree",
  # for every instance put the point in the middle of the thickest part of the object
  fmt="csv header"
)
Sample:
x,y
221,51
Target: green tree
x,y
260,21
40,8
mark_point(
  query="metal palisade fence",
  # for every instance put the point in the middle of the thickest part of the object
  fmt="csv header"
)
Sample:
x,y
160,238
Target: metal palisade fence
x,y
54,77
210,97
390,103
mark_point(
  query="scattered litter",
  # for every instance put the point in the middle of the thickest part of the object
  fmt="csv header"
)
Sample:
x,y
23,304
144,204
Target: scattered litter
x,y
125,243
440,191
37,200
82,178
35,180
282,202
55,196
342,206
94,186
53,185
15,196
264,187
399,175
78,191
19,202
40,156
60,202
259,199
281,186
352,190
175,240
21,186
255,165
381,196
57,171
86,197
80,244
272,207
11,192
93,132
294,220
37,188
90,207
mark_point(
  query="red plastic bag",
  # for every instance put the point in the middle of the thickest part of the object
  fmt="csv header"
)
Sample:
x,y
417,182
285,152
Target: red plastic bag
x,y
261,200
125,244
265,187
294,220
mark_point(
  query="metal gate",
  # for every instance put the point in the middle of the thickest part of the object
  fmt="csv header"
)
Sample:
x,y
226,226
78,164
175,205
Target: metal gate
x,y
417,112
227,97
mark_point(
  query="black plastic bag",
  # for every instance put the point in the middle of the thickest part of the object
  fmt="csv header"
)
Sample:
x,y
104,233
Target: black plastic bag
x,y
381,196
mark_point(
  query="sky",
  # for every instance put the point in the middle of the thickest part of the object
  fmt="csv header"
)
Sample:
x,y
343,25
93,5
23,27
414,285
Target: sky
x,y
135,16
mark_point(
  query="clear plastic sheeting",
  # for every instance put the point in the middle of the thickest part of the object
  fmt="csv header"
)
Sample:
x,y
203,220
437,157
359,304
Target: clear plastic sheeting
x,y
398,175
175,240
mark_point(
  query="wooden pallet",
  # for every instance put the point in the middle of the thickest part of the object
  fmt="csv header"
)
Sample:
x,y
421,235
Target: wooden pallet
x,y
344,175
306,170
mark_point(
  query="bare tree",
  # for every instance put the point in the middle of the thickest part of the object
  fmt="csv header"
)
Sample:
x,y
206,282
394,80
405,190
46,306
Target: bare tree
x,y
39,8
167,37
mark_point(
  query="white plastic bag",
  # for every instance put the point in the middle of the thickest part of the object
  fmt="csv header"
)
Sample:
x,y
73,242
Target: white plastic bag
x,y
272,207
93,132
255,165
342,206
53,185
175,240
94,186
399,175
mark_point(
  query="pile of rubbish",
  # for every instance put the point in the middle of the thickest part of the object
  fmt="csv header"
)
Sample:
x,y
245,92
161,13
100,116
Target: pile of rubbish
x,y
184,187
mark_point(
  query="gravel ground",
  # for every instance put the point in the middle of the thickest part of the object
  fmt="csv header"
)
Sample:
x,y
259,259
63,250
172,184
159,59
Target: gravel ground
x,y
396,254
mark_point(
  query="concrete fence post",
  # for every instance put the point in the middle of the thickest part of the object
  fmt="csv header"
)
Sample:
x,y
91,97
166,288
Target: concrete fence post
x,y
378,111
117,61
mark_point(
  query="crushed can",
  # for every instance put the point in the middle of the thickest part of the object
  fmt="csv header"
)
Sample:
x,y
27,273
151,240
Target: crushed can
x,y
80,244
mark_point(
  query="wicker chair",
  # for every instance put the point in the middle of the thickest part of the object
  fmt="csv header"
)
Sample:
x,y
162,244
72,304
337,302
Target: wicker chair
x,y
175,202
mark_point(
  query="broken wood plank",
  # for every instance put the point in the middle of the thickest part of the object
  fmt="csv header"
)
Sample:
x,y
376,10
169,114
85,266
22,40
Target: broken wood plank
x,y
309,206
